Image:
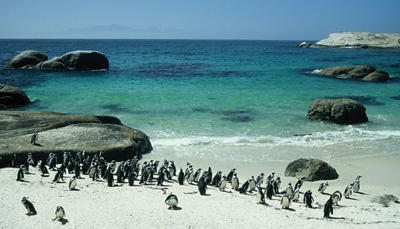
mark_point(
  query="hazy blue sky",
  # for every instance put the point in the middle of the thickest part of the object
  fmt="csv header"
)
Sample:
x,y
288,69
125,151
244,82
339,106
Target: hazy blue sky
x,y
220,19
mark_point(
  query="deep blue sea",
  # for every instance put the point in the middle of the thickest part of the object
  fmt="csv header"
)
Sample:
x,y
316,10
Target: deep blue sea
x,y
222,100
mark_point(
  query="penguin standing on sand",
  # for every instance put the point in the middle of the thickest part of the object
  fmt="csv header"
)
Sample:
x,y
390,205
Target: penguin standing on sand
x,y
252,184
260,179
322,187
20,173
245,186
271,177
110,179
77,169
209,176
60,213
34,137
181,177
356,184
348,191
276,184
296,195
196,176
299,183
216,179
42,168
222,184
336,197
190,176
172,164
235,182
29,206
308,199
260,196
289,190
171,201
131,178
328,208
121,172
11,162
202,186
72,183
285,201
230,175
269,190
59,176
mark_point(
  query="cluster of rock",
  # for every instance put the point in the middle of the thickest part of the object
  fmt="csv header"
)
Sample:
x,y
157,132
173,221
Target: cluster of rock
x,y
12,97
311,170
357,40
77,60
58,133
362,72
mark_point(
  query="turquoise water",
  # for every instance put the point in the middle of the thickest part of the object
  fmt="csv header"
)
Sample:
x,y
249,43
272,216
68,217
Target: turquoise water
x,y
216,99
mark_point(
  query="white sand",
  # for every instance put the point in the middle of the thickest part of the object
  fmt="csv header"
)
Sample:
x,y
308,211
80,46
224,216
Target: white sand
x,y
97,206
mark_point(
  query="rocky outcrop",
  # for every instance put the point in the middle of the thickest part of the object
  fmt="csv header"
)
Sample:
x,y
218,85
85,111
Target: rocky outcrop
x,y
59,133
340,111
385,200
311,169
12,97
26,59
363,72
358,40
77,60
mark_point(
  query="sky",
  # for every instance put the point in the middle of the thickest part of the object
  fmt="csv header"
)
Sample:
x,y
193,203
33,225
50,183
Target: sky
x,y
195,19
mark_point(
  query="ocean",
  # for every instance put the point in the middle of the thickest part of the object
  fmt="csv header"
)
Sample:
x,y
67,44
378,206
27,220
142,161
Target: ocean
x,y
220,102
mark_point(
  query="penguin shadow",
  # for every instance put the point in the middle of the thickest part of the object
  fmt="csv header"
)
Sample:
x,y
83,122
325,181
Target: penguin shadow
x,y
362,193
176,208
75,189
24,181
331,217
45,175
326,194
63,221
30,214
263,204
351,198
205,194
289,209
37,144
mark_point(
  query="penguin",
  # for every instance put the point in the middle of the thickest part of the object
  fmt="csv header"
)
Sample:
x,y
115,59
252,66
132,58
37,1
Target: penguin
x,y
260,196
244,187
230,175
260,179
110,180
289,190
60,213
209,176
77,169
328,207
196,176
92,170
29,206
299,183
189,176
285,201
72,183
97,173
322,187
216,179
252,184
131,178
222,184
51,161
34,137
202,186
78,157
336,197
171,172
308,199
271,177
13,158
269,191
30,160
171,201
20,173
71,166
66,157
161,177
59,176
42,168
181,177
121,173
276,184
356,184
235,182
296,195
348,191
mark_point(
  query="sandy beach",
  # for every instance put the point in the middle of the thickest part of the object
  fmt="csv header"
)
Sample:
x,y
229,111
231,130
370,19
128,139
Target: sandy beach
x,y
95,205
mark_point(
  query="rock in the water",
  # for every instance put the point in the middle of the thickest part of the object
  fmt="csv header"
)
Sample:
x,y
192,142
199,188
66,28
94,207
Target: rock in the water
x,y
72,133
12,97
311,169
85,60
340,111
359,40
377,76
27,58
385,200
364,72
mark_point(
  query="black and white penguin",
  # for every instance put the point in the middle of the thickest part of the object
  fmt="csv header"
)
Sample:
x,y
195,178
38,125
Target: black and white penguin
x,y
209,176
260,196
296,195
97,173
223,183
308,199
328,208
110,180
322,187
161,176
235,182
42,168
121,172
29,206
77,169
270,177
348,191
216,179
260,179
30,159
172,164
72,183
285,201
276,184
299,183
230,175
92,170
269,190
245,186
171,201
356,184
181,177
131,178
34,137
190,176
252,184
13,158
336,197
202,186
59,176
60,213
171,172
20,173
197,175
289,190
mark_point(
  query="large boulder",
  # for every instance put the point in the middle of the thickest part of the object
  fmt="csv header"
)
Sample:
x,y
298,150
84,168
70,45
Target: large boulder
x,y
12,97
377,76
311,169
58,133
27,58
385,200
363,72
340,111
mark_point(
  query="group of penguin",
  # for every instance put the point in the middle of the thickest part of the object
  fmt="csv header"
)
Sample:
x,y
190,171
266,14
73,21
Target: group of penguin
x,y
97,167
